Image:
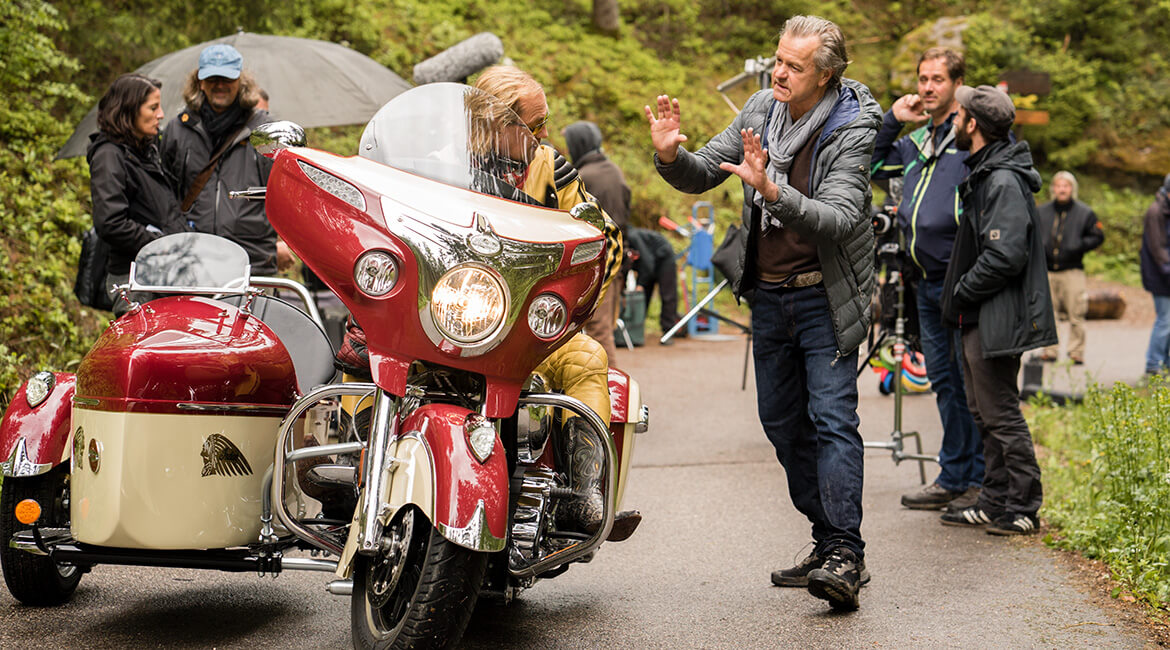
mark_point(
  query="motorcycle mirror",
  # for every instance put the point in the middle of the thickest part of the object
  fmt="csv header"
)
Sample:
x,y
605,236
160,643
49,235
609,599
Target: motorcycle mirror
x,y
271,137
590,214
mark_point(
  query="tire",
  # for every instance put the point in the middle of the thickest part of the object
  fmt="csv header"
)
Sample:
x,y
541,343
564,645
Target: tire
x,y
36,579
431,601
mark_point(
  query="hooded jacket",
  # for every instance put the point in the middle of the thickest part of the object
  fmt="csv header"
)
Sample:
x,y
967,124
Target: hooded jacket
x,y
932,168
835,217
1074,234
186,148
603,179
1155,254
997,277
133,203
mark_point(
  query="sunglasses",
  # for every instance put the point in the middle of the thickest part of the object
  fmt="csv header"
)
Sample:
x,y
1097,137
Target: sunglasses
x,y
535,128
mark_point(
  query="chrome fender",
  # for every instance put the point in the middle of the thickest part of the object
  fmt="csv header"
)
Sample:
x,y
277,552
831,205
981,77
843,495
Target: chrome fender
x,y
33,439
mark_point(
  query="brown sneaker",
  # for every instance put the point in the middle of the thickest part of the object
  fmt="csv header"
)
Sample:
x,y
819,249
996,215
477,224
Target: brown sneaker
x,y
965,500
931,497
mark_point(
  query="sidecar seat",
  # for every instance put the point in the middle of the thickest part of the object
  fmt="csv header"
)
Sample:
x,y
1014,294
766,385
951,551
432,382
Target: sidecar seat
x,y
306,342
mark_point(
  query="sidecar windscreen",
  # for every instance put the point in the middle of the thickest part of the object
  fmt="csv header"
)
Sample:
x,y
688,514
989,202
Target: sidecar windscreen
x,y
190,260
456,135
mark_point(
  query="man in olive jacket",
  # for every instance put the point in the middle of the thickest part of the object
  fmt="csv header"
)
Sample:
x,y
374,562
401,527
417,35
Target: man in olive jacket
x,y
802,150
996,292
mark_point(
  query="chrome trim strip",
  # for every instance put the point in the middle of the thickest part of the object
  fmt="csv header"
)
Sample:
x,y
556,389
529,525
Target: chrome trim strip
x,y
383,432
579,549
19,464
274,503
476,535
86,401
232,408
307,564
323,450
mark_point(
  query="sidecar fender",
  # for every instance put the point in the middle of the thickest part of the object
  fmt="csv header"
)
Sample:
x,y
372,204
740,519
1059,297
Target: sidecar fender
x,y
34,439
435,470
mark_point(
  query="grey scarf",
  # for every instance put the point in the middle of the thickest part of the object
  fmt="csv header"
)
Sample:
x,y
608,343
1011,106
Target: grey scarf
x,y
786,138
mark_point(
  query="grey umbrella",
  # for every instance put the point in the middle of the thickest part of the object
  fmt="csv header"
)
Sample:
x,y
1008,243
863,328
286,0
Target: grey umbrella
x,y
312,83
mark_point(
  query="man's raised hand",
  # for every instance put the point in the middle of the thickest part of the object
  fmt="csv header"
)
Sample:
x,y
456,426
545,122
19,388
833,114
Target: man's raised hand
x,y
909,108
664,130
752,169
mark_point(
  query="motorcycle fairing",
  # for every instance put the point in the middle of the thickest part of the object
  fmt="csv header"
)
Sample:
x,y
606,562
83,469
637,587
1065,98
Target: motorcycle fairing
x,y
411,217
467,501
35,439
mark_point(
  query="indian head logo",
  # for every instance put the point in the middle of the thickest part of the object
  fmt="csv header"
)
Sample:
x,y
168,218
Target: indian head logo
x,y
221,457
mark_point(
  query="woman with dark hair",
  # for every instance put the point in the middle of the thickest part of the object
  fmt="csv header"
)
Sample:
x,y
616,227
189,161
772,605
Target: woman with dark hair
x,y
133,202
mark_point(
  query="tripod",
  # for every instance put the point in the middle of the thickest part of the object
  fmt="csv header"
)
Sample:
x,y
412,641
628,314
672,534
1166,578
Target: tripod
x,y
888,254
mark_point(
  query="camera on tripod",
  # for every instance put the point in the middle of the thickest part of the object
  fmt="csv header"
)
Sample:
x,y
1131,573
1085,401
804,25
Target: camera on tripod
x,y
883,219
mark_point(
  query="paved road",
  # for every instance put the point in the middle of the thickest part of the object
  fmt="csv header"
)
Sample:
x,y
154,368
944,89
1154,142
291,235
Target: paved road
x,y
718,521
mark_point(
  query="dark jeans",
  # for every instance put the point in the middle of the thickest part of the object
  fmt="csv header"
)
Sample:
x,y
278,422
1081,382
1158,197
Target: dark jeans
x,y
1012,482
666,277
807,399
961,455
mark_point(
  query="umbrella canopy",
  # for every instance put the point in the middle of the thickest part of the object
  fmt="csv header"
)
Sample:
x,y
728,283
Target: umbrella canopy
x,y
312,83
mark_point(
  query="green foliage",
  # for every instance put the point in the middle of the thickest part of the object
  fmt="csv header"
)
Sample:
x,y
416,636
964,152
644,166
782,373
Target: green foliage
x,y
1107,481
41,204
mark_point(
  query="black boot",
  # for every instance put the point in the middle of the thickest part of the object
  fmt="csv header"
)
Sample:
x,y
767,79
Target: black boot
x,y
584,512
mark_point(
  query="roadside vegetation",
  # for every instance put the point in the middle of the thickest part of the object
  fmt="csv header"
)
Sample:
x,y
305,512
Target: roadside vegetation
x,y
1106,466
1107,476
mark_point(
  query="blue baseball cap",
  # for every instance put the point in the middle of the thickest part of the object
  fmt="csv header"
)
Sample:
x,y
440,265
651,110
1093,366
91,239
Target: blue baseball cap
x,y
220,61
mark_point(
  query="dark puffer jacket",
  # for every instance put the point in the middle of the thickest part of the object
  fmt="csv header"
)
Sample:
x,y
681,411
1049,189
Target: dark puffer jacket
x,y
186,148
133,204
835,218
1078,232
997,276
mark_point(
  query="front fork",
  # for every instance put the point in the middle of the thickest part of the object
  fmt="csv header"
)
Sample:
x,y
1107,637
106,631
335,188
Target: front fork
x,y
383,432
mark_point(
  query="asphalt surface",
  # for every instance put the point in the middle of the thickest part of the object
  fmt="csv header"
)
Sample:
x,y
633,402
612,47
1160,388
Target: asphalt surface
x,y
696,574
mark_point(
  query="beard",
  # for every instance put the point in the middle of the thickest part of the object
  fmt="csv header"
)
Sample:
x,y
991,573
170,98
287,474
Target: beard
x,y
962,137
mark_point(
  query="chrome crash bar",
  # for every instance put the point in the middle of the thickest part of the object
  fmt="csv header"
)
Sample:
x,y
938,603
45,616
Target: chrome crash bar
x,y
578,550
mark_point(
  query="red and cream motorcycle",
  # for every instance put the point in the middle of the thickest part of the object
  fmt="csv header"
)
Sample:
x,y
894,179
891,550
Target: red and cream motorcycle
x,y
206,427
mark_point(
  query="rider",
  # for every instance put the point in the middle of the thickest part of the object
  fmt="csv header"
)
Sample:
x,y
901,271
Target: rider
x,y
580,367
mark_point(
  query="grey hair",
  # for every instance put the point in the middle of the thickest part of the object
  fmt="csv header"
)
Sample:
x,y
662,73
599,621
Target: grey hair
x,y
831,55
1065,176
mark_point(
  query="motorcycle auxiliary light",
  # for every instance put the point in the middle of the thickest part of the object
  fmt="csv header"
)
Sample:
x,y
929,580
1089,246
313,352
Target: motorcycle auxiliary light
x,y
547,316
38,388
375,273
467,304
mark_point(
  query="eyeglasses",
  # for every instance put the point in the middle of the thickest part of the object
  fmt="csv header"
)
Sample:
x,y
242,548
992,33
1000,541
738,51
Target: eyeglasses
x,y
539,125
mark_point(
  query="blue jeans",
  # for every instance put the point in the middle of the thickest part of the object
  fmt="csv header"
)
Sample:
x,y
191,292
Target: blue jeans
x,y
961,453
807,400
1158,353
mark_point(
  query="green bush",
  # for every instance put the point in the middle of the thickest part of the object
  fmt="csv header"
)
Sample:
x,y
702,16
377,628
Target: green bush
x,y
1107,481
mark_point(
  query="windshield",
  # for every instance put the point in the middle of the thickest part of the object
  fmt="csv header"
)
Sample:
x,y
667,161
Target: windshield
x,y
456,135
191,260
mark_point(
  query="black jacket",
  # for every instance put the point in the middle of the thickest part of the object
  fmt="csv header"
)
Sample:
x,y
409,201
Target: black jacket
x,y
1068,238
133,202
997,276
1155,253
186,148
653,251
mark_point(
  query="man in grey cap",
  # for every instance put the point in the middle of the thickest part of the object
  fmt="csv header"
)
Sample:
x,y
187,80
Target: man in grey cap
x,y
996,293
206,149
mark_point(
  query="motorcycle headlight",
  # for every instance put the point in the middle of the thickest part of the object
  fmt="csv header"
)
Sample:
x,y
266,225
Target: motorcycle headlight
x,y
547,316
468,304
375,273
38,388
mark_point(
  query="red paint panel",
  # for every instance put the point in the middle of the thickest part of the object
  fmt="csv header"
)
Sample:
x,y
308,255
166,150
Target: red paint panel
x,y
187,349
461,481
306,216
619,396
45,429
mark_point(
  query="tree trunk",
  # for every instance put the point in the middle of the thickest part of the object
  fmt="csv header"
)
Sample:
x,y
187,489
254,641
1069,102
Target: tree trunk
x,y
606,17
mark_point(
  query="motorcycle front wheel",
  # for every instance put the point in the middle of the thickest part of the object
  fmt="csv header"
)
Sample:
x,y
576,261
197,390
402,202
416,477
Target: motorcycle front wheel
x,y
418,591
36,579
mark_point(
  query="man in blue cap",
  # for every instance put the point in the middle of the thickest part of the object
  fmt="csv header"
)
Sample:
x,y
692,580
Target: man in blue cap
x,y
207,150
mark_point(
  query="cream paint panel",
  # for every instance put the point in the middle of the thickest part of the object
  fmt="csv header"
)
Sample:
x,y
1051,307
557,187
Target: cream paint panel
x,y
628,438
451,204
150,492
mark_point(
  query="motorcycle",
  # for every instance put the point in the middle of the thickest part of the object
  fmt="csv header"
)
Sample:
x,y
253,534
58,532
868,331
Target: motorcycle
x,y
206,427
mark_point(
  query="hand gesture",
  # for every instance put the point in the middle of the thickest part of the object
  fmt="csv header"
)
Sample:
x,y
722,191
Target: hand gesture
x,y
664,130
909,108
751,170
